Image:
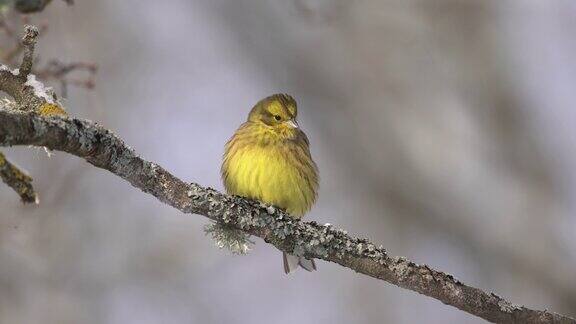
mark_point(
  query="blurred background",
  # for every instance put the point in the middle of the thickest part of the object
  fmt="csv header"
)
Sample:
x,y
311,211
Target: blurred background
x,y
444,130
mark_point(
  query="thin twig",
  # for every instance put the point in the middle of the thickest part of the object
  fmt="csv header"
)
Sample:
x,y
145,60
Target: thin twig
x,y
29,42
17,180
59,71
32,6
78,74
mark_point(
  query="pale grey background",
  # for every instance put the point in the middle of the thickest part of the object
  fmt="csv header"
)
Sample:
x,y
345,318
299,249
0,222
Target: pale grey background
x,y
444,130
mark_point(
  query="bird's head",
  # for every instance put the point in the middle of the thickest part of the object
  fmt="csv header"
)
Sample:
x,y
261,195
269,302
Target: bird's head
x,y
278,111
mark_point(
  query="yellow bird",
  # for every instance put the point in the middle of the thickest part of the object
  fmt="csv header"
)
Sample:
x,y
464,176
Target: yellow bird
x,y
268,159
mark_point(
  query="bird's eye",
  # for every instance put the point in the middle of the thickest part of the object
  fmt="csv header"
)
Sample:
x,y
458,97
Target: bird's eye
x,y
277,117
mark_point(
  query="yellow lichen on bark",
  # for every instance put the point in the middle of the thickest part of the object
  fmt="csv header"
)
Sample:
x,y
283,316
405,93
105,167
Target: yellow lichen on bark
x,y
49,109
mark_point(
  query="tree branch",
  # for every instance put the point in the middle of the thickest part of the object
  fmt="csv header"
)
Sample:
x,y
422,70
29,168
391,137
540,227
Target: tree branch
x,y
103,149
29,42
20,84
17,180
32,6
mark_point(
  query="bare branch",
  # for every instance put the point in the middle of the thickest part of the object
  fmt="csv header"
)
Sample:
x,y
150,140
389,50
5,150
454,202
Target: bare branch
x,y
32,6
59,71
29,42
103,149
16,82
11,53
17,180
77,73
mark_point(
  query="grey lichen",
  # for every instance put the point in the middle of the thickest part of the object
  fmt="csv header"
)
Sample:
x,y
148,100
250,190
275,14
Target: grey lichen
x,y
229,238
7,103
299,238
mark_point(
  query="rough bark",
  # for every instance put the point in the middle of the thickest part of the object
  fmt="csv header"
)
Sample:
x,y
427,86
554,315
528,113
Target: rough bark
x,y
18,180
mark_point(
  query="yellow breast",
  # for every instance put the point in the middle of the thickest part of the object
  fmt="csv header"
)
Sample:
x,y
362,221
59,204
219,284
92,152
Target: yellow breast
x,y
271,170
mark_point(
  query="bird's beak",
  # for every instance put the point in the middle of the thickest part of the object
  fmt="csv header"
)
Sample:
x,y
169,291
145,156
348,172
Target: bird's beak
x,y
292,123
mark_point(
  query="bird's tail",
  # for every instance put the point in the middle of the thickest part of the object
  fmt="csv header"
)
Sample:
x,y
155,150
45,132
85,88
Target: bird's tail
x,y
291,263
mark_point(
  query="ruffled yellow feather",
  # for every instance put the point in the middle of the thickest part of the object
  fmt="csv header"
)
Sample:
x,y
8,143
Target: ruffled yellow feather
x,y
269,160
